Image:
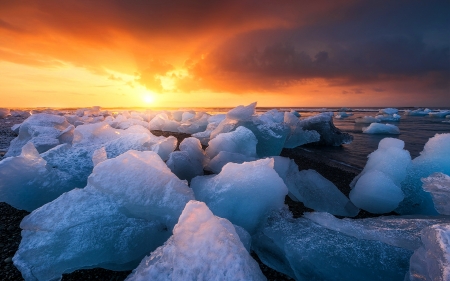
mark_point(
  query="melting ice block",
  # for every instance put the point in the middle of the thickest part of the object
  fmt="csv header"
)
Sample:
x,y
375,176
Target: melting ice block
x,y
323,124
189,161
50,129
376,128
434,158
316,192
377,188
398,231
128,208
432,260
438,184
242,113
242,193
224,157
203,247
27,182
305,250
242,141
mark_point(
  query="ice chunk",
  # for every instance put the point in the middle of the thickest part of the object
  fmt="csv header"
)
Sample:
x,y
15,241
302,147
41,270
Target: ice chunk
x,y
216,164
182,165
307,251
272,116
242,193
438,184
367,120
45,126
143,184
195,125
158,121
203,247
323,124
433,158
242,113
439,114
81,229
242,141
271,137
317,193
194,148
131,122
417,112
165,146
432,260
376,128
388,117
99,156
389,111
398,231
27,182
44,143
377,188
20,113
4,112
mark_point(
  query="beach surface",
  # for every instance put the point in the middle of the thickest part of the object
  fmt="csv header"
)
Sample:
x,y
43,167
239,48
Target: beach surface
x,y
10,218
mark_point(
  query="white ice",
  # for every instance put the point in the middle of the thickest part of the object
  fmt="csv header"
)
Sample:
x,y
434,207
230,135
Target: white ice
x,y
376,128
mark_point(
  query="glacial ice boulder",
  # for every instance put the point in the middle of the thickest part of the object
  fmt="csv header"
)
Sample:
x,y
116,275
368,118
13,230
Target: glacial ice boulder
x,y
242,193
242,113
323,124
305,250
27,182
377,188
432,260
433,159
127,210
438,184
377,128
51,130
203,247
398,231
242,141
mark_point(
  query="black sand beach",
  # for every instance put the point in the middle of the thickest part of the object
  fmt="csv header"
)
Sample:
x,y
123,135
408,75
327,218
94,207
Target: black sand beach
x,y
10,217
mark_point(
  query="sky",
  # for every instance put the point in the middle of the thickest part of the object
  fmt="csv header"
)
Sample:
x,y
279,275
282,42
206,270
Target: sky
x,y
171,53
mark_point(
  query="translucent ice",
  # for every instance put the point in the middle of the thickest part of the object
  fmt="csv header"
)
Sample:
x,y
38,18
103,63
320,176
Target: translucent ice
x,y
305,250
189,161
398,231
242,113
316,192
203,247
377,188
47,127
376,128
242,141
438,184
242,193
432,260
165,146
389,111
439,114
27,182
433,158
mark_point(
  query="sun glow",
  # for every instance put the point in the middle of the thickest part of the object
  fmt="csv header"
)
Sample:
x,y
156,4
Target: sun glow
x,y
148,98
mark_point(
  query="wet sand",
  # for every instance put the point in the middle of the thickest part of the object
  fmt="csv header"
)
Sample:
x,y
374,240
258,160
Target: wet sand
x,y
10,217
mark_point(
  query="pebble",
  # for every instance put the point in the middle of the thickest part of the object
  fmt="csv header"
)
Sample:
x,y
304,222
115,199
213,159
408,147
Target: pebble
x,y
8,260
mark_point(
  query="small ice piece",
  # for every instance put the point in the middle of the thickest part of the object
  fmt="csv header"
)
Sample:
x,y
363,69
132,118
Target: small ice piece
x,y
434,158
242,193
242,141
41,125
99,156
165,146
242,113
432,260
398,231
439,114
224,157
272,116
389,111
367,120
196,124
342,115
4,112
417,112
323,124
203,247
187,115
305,250
184,166
377,188
170,126
438,184
194,148
27,182
388,117
376,128
131,122
317,193
158,121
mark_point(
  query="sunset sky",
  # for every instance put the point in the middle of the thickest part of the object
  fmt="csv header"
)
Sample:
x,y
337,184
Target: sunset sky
x,y
170,53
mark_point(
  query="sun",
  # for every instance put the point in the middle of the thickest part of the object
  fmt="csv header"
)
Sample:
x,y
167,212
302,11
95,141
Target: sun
x,y
148,98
